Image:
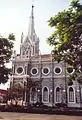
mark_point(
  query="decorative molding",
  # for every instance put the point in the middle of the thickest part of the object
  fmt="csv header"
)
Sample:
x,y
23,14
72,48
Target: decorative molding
x,y
21,72
32,69
46,68
59,68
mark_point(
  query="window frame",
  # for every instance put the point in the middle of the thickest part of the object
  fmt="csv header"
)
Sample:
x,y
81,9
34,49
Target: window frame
x,y
60,70
71,72
36,69
74,95
21,72
43,71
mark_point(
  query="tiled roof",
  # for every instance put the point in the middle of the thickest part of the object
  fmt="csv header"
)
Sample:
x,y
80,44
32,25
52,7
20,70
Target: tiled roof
x,y
3,91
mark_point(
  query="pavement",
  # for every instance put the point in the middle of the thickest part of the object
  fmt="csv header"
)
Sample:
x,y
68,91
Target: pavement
x,y
29,116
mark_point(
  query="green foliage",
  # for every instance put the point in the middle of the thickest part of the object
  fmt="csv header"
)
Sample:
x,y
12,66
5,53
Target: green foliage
x,y
6,45
11,36
67,37
16,91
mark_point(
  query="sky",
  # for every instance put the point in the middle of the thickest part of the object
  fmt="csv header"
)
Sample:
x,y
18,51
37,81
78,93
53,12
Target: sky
x,y
14,18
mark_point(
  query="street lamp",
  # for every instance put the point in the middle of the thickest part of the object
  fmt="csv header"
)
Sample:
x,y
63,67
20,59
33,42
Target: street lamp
x,y
61,88
38,95
51,91
51,96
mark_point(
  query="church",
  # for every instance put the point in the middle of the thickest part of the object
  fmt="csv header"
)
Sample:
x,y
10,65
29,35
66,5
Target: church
x,y
45,80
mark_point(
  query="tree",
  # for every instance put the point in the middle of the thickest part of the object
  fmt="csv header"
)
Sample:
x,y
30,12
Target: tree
x,y
15,92
67,37
6,45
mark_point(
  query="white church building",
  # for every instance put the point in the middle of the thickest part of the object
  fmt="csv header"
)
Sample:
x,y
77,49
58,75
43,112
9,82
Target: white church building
x,y
48,79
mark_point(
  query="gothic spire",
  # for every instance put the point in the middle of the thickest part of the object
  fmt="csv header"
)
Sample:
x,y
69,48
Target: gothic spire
x,y
22,38
31,29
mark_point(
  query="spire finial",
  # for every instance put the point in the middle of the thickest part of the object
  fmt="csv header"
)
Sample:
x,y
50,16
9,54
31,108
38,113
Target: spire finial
x,y
32,4
31,29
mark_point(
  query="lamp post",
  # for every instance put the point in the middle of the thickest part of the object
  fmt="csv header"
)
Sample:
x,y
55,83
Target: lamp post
x,y
61,88
38,95
51,96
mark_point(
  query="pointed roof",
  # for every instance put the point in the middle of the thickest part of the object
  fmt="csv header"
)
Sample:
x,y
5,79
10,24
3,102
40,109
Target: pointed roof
x,y
31,29
31,37
22,37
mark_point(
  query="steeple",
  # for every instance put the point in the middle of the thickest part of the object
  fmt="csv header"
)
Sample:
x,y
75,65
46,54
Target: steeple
x,y
31,29
30,46
22,38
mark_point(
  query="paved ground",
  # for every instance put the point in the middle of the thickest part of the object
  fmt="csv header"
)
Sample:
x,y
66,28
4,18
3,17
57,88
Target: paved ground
x,y
27,116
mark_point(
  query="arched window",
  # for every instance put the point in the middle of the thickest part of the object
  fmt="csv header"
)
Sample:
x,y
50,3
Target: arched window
x,y
71,94
58,95
45,94
33,94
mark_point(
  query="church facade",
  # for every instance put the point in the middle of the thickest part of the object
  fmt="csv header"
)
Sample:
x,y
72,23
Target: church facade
x,y
48,79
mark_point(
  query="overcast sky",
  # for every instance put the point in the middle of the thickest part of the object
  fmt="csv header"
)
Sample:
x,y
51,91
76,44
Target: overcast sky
x,y
14,18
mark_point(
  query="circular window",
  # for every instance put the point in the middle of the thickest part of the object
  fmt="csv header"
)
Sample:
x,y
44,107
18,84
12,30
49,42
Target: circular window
x,y
19,70
45,71
57,70
70,70
34,71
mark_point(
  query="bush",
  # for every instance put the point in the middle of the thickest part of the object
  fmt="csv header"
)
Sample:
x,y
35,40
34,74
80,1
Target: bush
x,y
61,104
